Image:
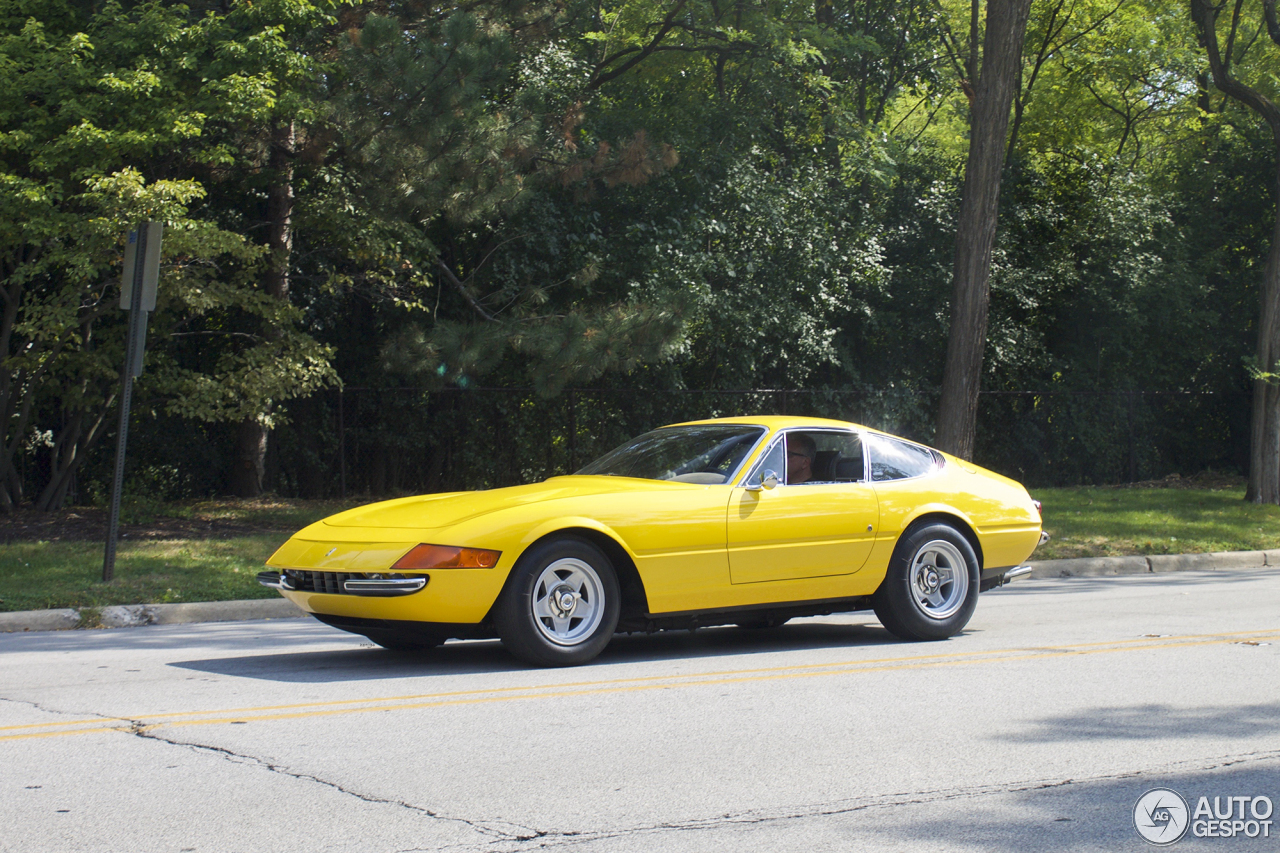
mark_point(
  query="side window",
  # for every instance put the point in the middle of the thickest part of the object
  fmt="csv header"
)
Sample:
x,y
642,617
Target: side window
x,y
807,457
838,458
897,460
775,460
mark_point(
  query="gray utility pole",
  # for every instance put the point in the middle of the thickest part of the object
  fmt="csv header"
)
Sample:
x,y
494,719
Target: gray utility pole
x,y
138,297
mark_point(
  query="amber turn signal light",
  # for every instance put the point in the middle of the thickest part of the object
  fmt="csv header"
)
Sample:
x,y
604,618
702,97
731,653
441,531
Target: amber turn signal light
x,y
447,557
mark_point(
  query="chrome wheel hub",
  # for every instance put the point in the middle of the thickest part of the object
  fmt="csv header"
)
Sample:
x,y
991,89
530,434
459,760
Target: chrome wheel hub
x,y
568,602
563,600
939,579
930,580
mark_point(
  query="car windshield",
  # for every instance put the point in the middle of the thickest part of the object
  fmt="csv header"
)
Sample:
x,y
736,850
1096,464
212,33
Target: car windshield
x,y
707,454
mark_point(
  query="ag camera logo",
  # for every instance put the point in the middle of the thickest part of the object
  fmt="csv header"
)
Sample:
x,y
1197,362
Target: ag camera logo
x,y
1161,816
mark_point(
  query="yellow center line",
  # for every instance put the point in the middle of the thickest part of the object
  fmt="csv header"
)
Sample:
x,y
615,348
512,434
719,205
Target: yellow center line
x,y
517,689
475,697
990,653
692,681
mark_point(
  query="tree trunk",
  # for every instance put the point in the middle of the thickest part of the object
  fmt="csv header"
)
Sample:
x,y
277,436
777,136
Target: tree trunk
x,y
1264,446
1264,433
251,437
975,236
10,392
75,440
64,458
251,455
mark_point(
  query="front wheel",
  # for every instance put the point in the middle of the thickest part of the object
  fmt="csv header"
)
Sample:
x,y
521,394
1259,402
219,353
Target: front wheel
x,y
561,604
931,588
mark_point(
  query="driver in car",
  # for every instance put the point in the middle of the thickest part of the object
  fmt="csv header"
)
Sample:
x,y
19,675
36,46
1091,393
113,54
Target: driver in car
x,y
801,449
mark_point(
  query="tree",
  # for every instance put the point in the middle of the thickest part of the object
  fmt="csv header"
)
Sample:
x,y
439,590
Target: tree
x,y
754,94
1106,78
448,120
102,104
265,61
979,209
1264,443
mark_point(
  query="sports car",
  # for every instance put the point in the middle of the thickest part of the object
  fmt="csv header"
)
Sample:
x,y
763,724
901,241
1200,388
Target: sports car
x,y
734,521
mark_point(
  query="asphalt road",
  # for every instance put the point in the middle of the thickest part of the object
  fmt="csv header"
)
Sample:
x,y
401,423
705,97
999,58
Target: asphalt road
x,y
1038,729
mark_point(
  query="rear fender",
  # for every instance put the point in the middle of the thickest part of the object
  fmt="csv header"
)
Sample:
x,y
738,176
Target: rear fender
x,y
936,513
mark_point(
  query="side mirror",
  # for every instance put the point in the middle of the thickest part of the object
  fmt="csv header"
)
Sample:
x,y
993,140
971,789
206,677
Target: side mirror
x,y
769,479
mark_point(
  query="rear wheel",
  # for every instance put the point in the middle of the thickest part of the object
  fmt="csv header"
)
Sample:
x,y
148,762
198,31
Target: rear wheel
x,y
560,605
931,588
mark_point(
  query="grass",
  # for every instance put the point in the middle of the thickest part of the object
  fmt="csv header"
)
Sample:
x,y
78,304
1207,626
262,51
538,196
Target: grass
x,y
38,575
1084,522
205,550
1109,522
264,512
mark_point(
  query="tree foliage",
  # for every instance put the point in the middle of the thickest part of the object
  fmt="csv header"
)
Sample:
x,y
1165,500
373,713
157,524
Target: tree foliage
x,y
635,197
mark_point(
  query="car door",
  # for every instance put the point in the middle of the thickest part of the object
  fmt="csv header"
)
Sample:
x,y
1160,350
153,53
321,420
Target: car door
x,y
822,527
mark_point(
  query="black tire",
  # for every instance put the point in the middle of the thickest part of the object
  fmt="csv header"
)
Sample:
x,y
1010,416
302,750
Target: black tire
x,y
404,642
915,603
560,605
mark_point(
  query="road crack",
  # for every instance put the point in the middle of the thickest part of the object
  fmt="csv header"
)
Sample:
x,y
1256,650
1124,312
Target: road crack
x,y
497,830
849,806
44,710
501,831
509,837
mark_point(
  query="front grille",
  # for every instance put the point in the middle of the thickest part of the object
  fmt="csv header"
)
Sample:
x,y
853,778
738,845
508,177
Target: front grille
x,y
326,582
330,582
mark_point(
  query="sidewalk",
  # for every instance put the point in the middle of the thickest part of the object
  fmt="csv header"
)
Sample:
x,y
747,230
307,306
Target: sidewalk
x,y
133,615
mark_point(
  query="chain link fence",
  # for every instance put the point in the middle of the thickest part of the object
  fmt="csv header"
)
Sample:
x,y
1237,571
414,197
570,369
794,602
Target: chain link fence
x,y
386,441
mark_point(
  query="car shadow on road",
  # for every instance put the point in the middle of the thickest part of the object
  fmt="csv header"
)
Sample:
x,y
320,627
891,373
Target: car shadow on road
x,y
1151,722
367,662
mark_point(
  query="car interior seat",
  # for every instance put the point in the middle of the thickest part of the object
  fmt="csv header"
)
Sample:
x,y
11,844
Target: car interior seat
x,y
823,464
848,468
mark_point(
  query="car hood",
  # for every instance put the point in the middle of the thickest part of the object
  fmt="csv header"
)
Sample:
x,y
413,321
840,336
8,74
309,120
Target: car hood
x,y
449,508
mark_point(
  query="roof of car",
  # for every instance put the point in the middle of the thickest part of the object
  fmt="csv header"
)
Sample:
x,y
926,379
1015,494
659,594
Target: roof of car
x,y
774,422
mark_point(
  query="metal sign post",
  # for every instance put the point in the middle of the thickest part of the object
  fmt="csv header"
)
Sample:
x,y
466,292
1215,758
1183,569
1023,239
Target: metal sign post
x,y
138,297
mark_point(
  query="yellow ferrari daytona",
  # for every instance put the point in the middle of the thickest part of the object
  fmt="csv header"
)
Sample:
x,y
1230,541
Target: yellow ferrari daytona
x,y
734,521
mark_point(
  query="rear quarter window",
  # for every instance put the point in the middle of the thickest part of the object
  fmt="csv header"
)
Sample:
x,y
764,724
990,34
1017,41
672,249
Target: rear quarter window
x,y
892,459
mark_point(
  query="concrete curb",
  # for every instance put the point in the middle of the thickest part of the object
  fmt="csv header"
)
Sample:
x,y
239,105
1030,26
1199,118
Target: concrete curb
x,y
134,615
39,620
1098,567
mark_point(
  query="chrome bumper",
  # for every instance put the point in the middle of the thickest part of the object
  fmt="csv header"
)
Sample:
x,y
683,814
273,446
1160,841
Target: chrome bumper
x,y
384,586
371,587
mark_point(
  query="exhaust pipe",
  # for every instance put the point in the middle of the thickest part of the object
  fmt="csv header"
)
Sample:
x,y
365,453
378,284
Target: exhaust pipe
x,y
1015,573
